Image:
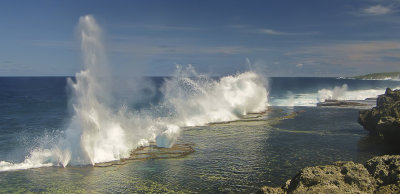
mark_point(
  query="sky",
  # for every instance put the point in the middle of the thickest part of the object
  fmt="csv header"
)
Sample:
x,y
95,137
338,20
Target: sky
x,y
321,38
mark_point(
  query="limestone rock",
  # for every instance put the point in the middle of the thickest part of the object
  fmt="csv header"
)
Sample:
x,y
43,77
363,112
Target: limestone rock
x,y
384,119
392,188
379,175
385,169
270,190
341,177
340,103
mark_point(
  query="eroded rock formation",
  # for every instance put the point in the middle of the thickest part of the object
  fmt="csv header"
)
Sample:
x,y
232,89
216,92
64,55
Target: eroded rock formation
x,y
384,119
379,175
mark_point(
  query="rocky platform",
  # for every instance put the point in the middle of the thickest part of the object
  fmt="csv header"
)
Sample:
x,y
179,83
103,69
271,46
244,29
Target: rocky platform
x,y
152,152
342,103
378,175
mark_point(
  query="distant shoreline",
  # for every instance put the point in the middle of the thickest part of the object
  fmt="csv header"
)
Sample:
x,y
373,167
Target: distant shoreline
x,y
379,76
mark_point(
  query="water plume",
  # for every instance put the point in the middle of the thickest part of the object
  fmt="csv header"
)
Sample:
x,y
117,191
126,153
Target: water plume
x,y
197,99
334,94
102,130
94,133
101,135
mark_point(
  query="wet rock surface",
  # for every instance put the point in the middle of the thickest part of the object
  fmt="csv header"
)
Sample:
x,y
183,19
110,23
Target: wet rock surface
x,y
152,152
385,169
341,103
384,119
341,177
378,175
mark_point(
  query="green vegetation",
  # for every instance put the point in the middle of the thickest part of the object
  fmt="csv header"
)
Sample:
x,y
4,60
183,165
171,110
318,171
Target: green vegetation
x,y
388,75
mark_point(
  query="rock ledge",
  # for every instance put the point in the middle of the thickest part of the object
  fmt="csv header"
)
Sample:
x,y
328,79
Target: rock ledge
x,y
378,175
384,119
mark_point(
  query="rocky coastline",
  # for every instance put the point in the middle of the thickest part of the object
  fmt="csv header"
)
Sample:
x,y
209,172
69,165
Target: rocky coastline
x,y
340,103
383,121
380,174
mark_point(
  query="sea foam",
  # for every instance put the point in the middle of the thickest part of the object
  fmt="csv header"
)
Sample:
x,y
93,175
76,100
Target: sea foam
x,y
99,131
336,93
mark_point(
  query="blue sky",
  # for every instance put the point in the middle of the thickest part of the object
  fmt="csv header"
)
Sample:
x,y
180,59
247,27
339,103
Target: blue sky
x,y
280,38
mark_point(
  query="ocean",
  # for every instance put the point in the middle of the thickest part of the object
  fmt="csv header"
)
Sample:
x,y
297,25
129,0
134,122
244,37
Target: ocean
x,y
97,132
238,146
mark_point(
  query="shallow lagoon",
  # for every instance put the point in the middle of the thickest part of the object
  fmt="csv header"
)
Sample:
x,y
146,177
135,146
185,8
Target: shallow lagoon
x,y
238,156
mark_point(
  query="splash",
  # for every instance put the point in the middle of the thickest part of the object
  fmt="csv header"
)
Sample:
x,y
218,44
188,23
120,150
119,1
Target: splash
x,y
194,99
101,135
99,131
96,132
198,99
336,93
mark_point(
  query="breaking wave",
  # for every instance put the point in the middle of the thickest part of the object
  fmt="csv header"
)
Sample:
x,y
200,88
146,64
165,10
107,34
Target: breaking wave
x,y
101,131
336,93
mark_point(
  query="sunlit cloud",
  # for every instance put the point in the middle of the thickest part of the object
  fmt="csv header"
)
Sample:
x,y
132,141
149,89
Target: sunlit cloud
x,y
377,10
244,28
299,65
272,32
268,31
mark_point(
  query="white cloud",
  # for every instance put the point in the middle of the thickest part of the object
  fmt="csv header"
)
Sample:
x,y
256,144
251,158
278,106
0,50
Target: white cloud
x,y
299,65
272,32
377,10
267,31
276,32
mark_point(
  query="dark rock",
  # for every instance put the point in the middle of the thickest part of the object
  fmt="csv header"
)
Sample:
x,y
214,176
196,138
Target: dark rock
x,y
392,188
341,103
378,175
341,177
270,190
152,152
384,119
385,169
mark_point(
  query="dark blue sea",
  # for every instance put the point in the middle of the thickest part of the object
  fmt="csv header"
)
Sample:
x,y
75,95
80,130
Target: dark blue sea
x,y
237,156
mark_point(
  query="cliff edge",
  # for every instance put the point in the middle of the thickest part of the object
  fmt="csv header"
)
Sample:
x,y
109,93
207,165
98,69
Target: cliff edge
x,y
378,175
384,119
